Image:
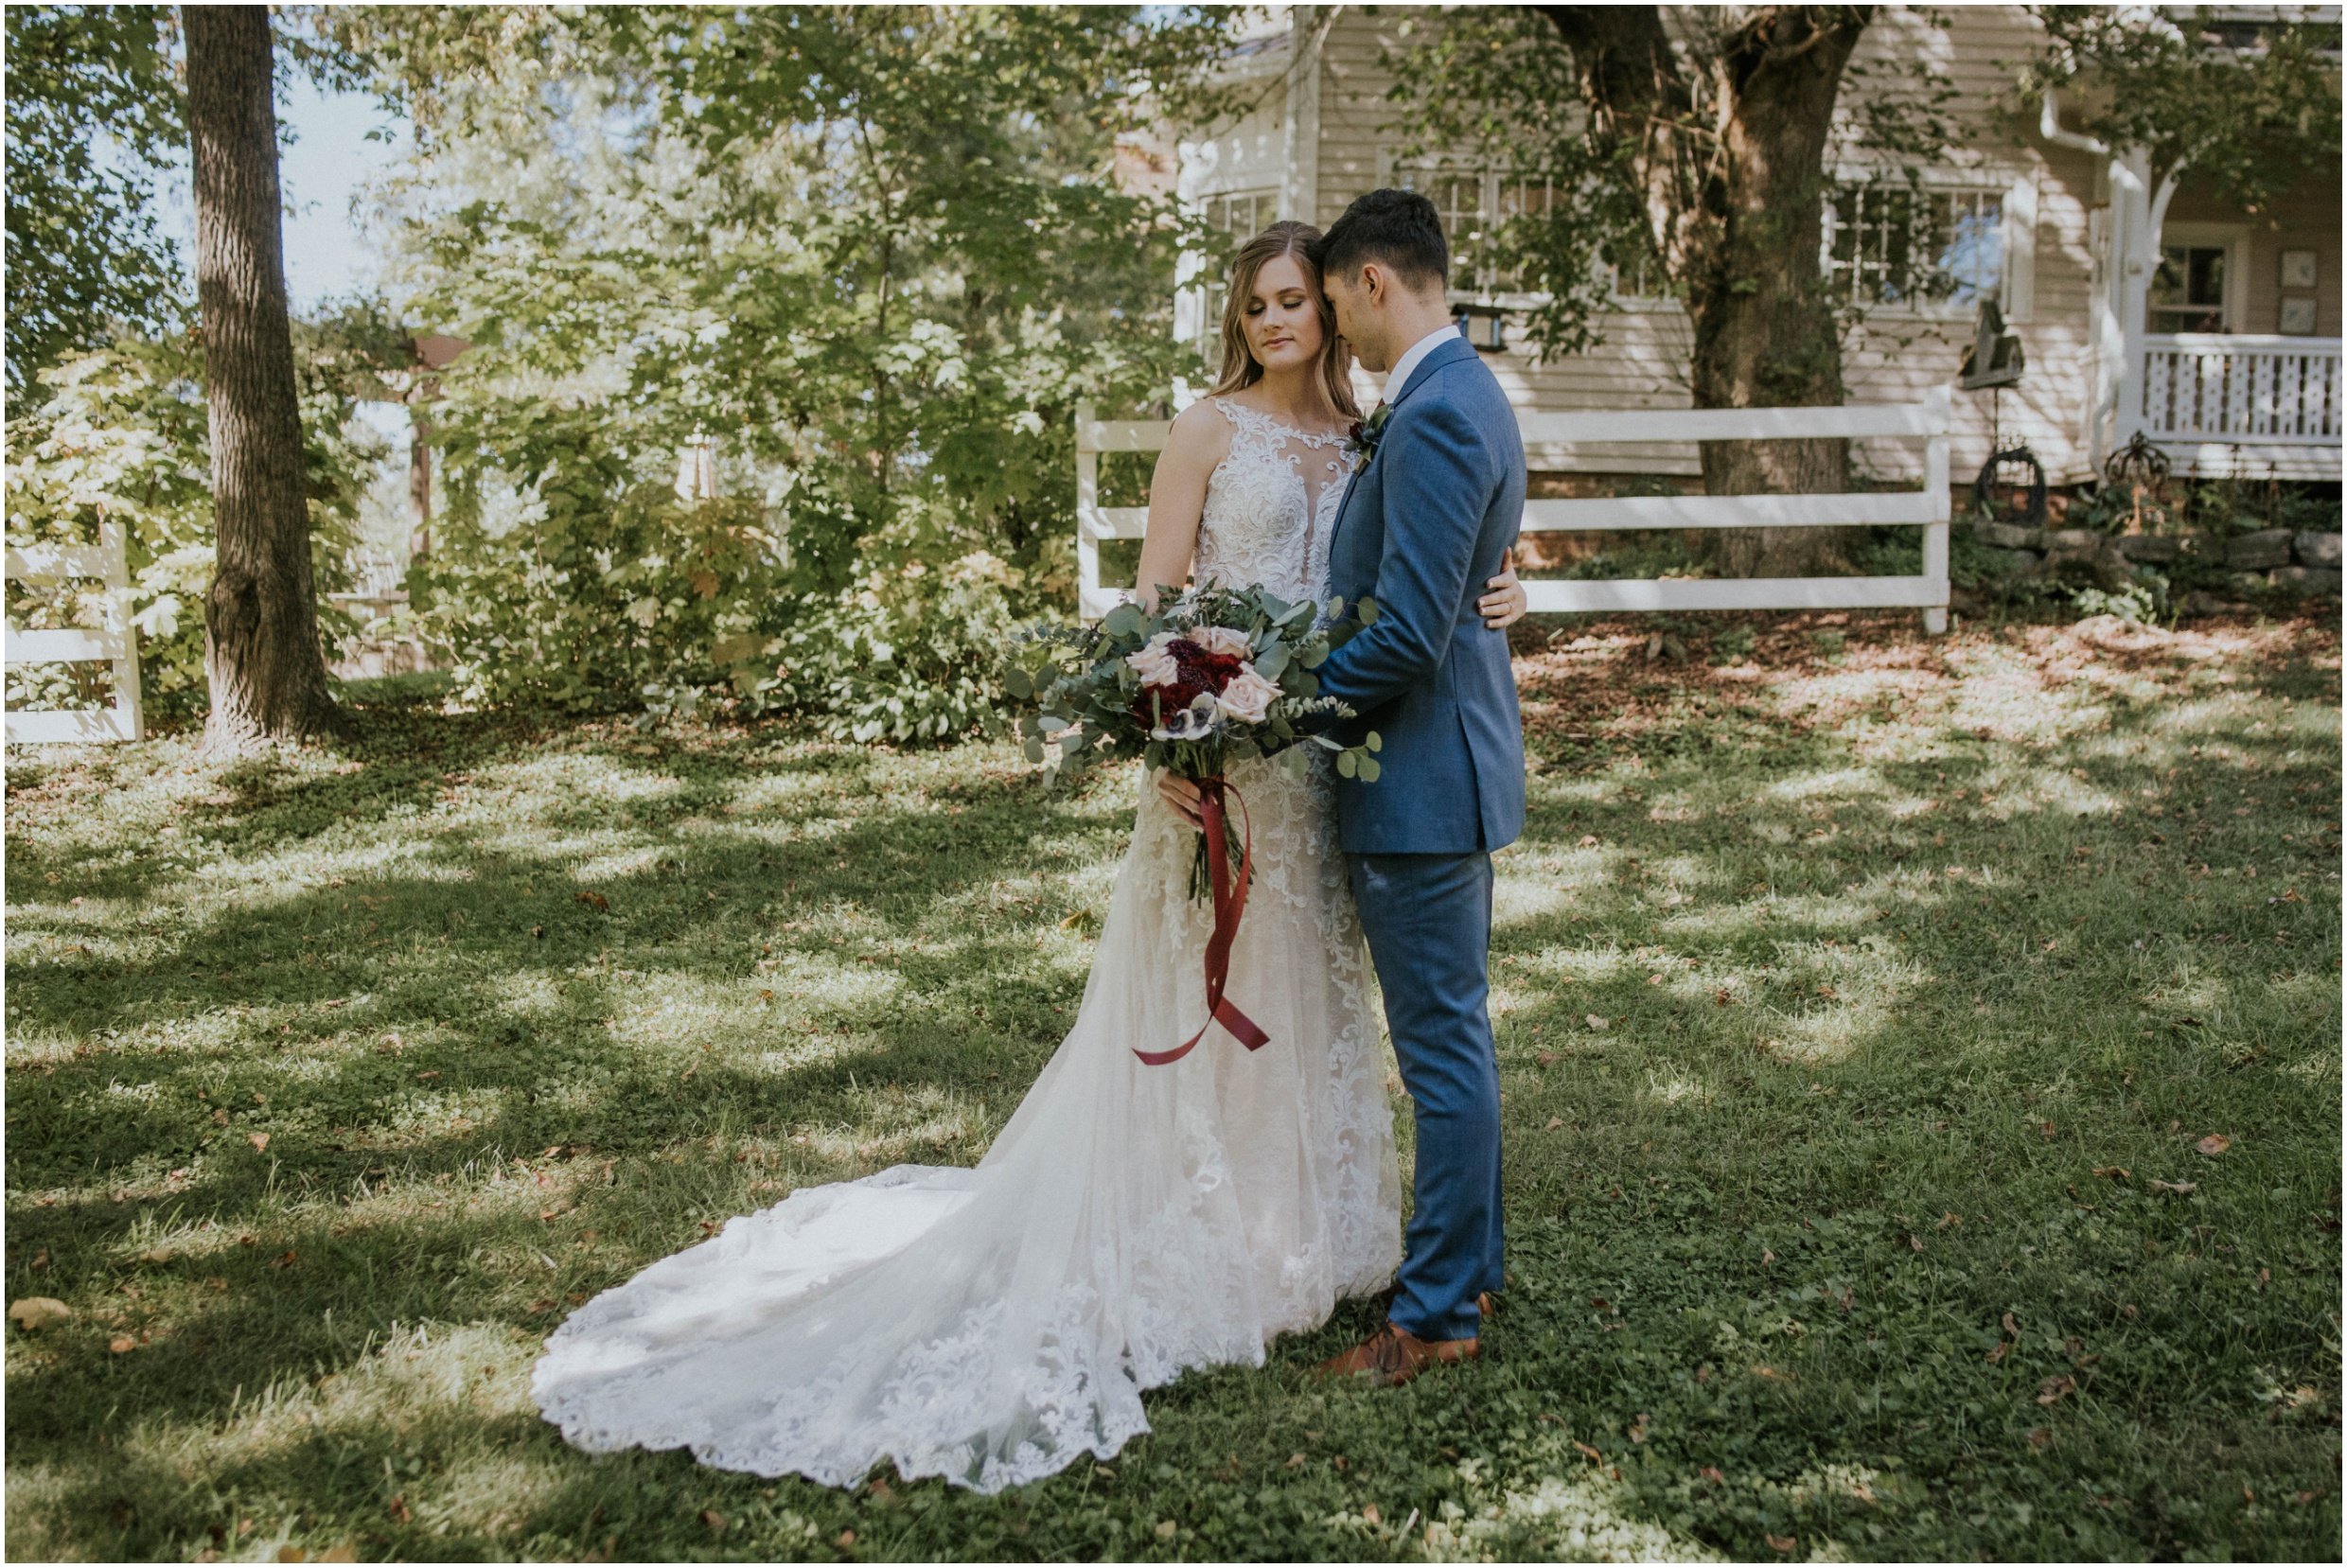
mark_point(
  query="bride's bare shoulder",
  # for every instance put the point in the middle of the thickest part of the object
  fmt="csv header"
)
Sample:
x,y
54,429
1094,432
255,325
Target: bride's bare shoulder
x,y
1200,436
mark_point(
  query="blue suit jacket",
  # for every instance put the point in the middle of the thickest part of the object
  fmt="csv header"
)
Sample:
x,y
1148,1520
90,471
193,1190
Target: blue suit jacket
x,y
1421,529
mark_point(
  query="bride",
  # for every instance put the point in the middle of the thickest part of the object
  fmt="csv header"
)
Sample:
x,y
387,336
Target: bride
x,y
992,1325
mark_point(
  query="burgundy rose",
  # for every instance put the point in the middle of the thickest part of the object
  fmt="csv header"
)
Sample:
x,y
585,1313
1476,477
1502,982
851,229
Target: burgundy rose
x,y
1201,672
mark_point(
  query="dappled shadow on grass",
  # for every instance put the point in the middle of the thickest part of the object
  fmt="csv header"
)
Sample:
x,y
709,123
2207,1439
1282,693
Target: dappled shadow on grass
x,y
1829,1023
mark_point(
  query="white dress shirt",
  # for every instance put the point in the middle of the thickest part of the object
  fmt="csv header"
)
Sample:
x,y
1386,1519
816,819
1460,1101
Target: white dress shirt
x,y
1398,376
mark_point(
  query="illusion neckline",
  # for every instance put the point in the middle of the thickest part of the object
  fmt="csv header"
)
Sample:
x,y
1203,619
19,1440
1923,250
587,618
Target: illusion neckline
x,y
1226,401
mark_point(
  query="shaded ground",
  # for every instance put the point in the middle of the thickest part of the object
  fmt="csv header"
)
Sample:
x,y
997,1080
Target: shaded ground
x,y
1863,1004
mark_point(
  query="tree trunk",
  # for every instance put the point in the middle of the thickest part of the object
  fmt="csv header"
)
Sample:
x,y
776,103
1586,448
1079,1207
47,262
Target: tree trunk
x,y
1734,183
261,652
1765,334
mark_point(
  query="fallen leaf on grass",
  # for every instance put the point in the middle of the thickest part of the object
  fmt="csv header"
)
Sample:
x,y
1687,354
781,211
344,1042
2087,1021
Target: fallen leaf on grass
x,y
2116,1172
122,1345
715,1520
2039,1436
1369,1512
2053,1388
1714,1474
1594,1022
1587,1453
38,1311
594,900
1544,1058
1165,1529
398,1508
2003,1347
2213,1145
1782,1542
1555,1122
258,1140
1293,1460
2158,1186
847,1539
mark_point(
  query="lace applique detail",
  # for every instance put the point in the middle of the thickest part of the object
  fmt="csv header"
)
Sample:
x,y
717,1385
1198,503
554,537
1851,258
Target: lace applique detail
x,y
1271,505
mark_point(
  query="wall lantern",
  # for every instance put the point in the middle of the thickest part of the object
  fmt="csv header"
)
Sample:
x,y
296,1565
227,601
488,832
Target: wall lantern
x,y
1484,326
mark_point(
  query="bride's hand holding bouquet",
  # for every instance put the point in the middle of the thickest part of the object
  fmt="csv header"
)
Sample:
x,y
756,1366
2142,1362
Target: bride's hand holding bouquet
x,y
1216,674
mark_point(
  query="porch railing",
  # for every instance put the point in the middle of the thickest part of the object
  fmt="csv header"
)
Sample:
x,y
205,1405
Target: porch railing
x,y
2234,389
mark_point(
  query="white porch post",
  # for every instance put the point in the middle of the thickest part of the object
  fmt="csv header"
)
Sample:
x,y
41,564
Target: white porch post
x,y
2135,252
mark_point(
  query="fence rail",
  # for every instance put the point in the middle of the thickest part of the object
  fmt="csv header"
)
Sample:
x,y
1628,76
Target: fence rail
x,y
1927,508
111,642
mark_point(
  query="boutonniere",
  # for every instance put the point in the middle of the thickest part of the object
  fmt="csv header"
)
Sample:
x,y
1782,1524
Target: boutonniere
x,y
1365,432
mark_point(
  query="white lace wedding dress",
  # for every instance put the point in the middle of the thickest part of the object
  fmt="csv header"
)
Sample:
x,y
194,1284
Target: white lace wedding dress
x,y
992,1325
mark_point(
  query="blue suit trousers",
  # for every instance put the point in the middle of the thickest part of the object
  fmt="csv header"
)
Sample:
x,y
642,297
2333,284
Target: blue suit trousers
x,y
1428,920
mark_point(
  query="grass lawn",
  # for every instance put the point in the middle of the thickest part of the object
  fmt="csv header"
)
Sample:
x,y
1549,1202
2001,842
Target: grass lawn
x,y
1864,1003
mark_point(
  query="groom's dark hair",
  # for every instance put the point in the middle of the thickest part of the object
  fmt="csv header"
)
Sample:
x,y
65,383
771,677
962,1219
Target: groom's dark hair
x,y
1399,228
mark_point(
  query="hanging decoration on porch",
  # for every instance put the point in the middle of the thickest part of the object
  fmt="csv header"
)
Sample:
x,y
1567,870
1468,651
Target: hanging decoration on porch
x,y
2010,487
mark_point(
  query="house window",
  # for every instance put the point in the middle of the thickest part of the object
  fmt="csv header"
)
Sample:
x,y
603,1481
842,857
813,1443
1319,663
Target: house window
x,y
1474,199
1935,249
1639,280
2188,291
1241,215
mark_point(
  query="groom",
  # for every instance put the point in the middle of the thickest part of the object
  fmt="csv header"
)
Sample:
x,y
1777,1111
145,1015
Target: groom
x,y
1428,518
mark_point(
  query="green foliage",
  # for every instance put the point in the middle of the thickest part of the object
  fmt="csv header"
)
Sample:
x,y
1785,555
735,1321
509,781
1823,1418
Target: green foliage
x,y
85,260
2248,105
880,255
122,435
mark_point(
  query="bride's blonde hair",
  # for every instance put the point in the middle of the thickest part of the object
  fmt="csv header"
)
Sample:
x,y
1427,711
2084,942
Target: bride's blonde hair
x,y
1240,366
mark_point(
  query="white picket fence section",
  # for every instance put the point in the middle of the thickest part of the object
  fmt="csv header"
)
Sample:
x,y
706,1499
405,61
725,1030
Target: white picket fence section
x,y
111,641
1928,508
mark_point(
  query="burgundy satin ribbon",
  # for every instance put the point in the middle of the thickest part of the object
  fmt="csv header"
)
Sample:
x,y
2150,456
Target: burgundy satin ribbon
x,y
1230,903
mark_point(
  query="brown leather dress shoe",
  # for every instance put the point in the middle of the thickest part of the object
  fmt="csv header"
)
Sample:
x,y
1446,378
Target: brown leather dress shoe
x,y
1392,1356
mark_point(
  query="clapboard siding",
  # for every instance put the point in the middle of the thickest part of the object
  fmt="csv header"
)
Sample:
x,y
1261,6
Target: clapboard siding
x,y
1641,363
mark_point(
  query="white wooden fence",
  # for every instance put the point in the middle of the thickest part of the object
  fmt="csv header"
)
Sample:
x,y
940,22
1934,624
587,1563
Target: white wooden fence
x,y
1927,508
110,641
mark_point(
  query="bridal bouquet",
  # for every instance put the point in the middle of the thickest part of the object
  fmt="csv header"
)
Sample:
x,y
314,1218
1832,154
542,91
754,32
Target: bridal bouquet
x,y
1217,673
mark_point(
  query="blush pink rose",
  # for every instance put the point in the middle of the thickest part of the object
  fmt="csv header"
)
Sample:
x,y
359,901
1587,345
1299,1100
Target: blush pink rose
x,y
1248,697
1222,640
1155,662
